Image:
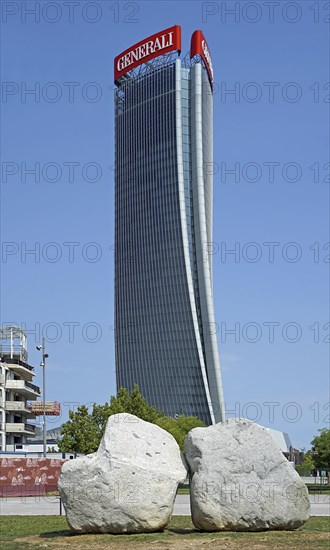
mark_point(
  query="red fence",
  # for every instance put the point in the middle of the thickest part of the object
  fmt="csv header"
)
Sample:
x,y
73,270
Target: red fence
x,y
29,476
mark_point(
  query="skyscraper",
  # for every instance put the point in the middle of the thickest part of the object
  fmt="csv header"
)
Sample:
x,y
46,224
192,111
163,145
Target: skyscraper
x,y
165,328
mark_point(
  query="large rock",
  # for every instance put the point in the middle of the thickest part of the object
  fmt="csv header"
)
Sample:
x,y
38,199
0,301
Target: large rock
x,y
241,481
128,485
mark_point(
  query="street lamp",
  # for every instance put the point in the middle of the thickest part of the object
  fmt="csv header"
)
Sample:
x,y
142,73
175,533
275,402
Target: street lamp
x,y
43,365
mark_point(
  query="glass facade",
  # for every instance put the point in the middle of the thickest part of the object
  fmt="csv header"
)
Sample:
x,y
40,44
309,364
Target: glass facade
x,y
162,326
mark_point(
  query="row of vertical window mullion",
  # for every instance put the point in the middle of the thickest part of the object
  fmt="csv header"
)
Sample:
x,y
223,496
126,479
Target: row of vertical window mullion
x,y
186,153
119,244
124,328
143,110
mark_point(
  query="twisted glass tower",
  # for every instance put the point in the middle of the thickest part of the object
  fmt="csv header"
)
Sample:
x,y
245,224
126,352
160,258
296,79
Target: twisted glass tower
x,y
165,327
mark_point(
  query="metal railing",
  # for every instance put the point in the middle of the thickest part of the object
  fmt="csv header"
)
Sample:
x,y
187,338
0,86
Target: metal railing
x,y
15,361
30,428
32,386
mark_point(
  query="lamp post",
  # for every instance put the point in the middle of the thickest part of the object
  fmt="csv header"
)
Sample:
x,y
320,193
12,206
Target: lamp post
x,y
43,365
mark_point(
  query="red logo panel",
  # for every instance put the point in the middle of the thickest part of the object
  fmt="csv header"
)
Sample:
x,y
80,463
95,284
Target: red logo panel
x,y
199,47
149,48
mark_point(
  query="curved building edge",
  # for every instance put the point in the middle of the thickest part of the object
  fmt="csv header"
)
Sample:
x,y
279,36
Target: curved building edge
x,y
202,236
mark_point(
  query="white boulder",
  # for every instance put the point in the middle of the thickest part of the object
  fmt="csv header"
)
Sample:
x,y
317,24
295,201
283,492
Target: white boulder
x,y
240,480
128,485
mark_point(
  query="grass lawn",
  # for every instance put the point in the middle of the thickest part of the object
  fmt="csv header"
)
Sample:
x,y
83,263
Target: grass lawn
x,y
33,532
183,490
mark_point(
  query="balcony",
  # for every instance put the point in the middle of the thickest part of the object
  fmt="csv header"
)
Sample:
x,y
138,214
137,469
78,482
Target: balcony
x,y
18,407
23,387
19,367
20,428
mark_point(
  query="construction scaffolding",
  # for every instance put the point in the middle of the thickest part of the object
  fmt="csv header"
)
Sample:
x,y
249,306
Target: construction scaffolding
x,y
52,408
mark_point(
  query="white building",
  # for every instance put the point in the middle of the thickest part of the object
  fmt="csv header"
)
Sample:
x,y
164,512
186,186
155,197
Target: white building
x,y
282,440
16,390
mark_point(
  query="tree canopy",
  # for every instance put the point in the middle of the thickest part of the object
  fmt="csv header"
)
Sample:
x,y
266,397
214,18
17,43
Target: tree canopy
x,y
321,449
83,431
307,464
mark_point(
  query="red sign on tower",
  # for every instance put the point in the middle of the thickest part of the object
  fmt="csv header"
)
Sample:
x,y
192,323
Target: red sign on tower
x,y
149,48
199,47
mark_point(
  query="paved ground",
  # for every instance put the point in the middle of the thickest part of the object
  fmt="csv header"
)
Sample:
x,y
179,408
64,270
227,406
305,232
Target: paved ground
x,y
49,506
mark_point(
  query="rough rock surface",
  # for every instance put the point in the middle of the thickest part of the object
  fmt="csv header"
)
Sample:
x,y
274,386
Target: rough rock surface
x,y
128,485
241,481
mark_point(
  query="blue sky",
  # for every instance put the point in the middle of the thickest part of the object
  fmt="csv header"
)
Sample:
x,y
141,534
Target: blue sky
x,y
272,130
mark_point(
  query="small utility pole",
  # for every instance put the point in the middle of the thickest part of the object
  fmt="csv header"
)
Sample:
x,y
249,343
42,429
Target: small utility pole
x,y
43,365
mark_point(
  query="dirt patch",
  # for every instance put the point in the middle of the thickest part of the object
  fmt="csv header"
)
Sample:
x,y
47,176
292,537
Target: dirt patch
x,y
247,541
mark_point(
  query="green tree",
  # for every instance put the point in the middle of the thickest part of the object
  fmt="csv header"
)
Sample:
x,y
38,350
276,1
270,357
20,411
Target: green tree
x,y
133,403
180,426
124,402
83,432
307,465
321,449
